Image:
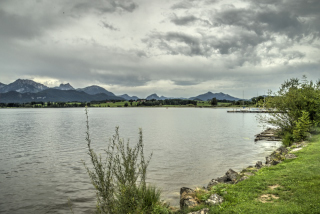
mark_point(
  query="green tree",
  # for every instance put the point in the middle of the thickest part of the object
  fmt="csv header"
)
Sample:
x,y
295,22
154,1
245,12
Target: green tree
x,y
214,101
294,100
302,127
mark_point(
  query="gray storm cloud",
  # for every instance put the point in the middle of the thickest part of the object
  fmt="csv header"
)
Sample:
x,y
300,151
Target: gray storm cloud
x,y
184,46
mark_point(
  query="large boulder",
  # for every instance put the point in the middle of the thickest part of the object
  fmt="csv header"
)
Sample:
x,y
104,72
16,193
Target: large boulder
x,y
187,198
230,177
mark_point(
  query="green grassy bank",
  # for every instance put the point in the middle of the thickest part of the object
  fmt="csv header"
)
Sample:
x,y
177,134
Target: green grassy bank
x,y
292,186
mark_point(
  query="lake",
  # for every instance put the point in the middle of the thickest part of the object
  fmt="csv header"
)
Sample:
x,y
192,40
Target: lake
x,y
42,150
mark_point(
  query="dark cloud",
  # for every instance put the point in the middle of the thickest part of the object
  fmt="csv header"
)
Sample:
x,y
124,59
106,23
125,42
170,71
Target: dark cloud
x,y
184,20
109,26
15,25
294,19
261,22
106,6
28,24
207,45
244,45
245,30
187,4
188,20
177,43
188,82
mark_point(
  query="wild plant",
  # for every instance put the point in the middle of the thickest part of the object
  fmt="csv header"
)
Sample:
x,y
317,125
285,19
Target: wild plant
x,y
120,178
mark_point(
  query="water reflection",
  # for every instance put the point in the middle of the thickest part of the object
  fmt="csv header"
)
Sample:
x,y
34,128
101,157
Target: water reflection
x,y
42,149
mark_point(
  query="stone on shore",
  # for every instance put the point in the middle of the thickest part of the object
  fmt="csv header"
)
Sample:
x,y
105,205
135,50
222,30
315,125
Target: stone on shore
x,y
187,198
259,165
214,199
290,156
242,179
230,177
277,156
203,211
212,183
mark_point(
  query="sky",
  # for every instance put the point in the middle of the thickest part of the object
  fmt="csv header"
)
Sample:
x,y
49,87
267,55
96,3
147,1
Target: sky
x,y
175,48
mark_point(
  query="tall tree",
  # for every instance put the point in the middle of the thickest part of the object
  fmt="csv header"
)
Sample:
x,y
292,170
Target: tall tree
x,y
214,101
291,101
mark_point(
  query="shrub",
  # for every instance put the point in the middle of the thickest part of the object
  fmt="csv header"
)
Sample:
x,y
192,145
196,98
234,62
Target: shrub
x,y
120,179
287,139
302,127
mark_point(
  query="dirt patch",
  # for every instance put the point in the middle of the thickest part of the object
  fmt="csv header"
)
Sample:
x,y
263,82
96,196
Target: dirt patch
x,y
274,186
267,198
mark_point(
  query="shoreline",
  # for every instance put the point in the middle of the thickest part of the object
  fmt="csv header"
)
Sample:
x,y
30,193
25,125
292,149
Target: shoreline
x,y
188,197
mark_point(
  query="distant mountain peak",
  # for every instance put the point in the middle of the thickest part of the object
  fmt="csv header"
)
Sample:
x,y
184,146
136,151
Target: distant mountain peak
x,y
2,85
95,89
153,96
23,86
66,86
127,97
209,95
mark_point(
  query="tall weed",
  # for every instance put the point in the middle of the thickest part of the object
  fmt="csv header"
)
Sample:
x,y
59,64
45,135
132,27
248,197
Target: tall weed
x,y
120,177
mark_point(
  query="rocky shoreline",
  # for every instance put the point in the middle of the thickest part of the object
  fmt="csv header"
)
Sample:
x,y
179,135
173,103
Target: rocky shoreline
x,y
188,198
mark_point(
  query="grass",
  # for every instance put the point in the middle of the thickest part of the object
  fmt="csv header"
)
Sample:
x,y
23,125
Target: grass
x,y
292,186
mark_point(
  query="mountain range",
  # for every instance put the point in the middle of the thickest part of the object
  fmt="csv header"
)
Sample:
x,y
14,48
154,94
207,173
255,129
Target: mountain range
x,y
219,96
22,91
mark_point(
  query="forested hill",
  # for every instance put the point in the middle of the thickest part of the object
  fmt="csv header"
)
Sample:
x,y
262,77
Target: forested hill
x,y
54,95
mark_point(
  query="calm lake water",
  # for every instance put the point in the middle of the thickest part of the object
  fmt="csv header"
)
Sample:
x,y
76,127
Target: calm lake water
x,y
42,151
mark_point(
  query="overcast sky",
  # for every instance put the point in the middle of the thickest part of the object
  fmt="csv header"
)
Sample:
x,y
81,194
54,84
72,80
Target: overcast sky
x,y
178,48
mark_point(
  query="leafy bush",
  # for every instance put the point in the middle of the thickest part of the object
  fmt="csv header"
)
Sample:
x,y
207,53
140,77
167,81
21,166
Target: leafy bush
x,y
120,179
291,104
302,127
287,139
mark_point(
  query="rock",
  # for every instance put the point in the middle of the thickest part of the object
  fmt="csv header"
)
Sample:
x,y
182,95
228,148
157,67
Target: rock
x,y
268,159
275,162
290,156
259,165
242,179
231,175
250,169
212,183
222,179
277,156
187,198
248,174
214,200
203,211
282,150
